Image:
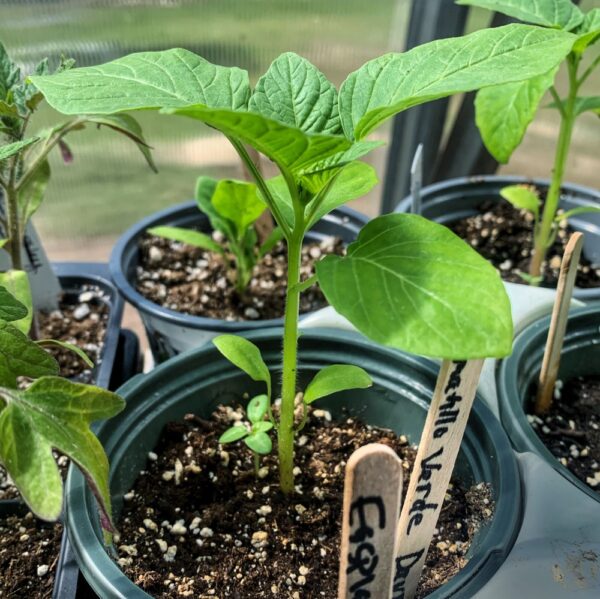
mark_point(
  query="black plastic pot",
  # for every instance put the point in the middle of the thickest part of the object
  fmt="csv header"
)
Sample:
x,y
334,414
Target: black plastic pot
x,y
455,199
199,380
518,374
120,361
170,332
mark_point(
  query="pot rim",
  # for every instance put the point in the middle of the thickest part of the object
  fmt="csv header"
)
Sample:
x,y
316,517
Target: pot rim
x,y
512,413
134,297
500,534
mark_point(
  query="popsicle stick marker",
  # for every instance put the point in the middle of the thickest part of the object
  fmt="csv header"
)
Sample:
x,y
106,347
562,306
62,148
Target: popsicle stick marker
x,y
416,179
558,323
440,441
372,495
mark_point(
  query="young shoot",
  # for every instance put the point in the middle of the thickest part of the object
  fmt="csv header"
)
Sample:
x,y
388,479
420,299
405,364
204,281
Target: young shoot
x,y
232,208
405,282
255,437
24,166
40,412
503,112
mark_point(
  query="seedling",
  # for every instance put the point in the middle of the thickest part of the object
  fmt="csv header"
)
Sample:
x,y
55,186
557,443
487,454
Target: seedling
x,y
503,112
24,167
406,282
41,412
232,207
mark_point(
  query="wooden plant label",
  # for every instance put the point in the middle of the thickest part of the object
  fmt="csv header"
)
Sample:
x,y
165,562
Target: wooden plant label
x,y
438,448
558,323
372,495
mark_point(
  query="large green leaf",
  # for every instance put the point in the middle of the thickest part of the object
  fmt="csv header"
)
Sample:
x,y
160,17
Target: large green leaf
x,y
14,148
146,80
54,413
128,126
357,150
289,147
395,82
503,112
16,282
562,14
31,195
20,356
238,202
412,284
589,31
10,307
295,92
246,356
334,378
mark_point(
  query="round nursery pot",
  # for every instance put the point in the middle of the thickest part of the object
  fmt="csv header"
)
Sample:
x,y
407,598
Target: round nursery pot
x,y
170,332
518,374
455,199
199,380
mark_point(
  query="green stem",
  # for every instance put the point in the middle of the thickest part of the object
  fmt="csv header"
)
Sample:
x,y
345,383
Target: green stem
x,y
14,228
544,231
589,70
285,431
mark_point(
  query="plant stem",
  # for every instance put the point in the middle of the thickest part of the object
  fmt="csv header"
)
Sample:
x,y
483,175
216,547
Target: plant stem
x,y
543,232
285,433
14,232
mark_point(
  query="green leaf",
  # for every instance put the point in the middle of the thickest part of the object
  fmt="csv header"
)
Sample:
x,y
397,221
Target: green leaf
x,y
259,443
188,236
246,356
20,356
238,202
414,285
14,148
257,408
146,80
235,433
295,92
395,82
16,282
262,427
354,181
128,126
582,104
54,413
31,194
271,241
523,197
334,378
9,110
357,150
503,112
562,14
10,308
576,211
288,147
10,74
589,31
68,346
205,189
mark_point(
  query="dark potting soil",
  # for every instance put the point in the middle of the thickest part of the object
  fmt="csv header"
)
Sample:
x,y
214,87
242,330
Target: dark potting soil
x,y
28,557
504,235
571,429
193,281
199,523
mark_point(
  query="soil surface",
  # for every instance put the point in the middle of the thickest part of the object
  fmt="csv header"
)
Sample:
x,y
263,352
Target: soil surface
x,y
197,282
504,235
200,523
571,429
28,557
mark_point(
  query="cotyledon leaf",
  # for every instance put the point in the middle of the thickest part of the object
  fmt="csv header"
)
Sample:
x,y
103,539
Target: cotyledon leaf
x,y
503,112
10,307
549,13
395,82
145,80
16,282
293,91
412,284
